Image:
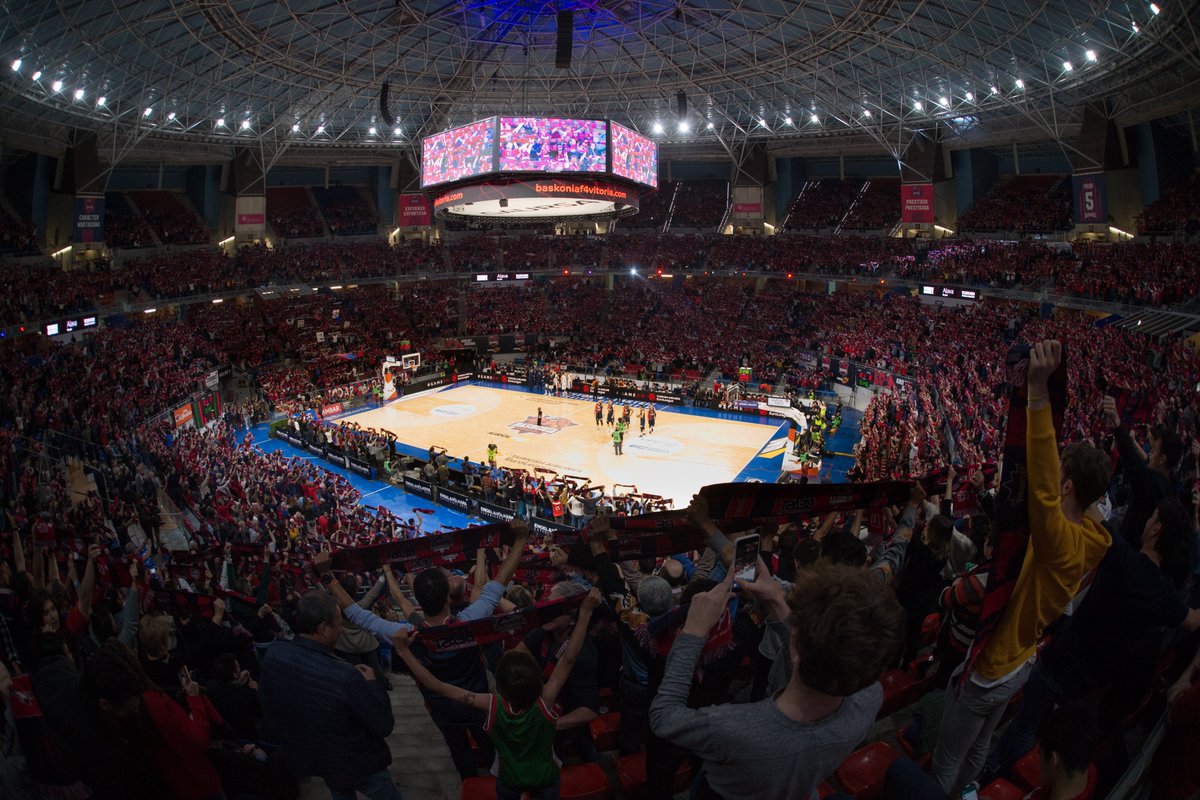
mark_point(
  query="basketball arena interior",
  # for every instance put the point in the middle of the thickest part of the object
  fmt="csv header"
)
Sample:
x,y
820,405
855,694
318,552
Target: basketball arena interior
x,y
605,399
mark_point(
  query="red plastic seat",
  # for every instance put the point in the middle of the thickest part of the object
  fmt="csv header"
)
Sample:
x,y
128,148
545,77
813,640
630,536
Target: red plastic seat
x,y
898,688
584,782
604,730
1027,772
631,772
930,628
861,774
1001,789
479,789
825,790
923,761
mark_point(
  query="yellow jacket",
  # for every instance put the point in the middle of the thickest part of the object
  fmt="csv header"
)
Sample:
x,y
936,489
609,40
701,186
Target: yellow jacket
x,y
1059,554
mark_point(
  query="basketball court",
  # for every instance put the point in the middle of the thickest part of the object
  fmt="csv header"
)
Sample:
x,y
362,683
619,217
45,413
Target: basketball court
x,y
685,452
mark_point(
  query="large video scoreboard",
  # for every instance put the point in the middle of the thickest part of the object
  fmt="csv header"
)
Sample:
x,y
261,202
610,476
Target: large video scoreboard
x,y
522,145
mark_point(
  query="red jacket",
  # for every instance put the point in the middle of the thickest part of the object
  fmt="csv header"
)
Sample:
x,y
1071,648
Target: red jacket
x,y
179,750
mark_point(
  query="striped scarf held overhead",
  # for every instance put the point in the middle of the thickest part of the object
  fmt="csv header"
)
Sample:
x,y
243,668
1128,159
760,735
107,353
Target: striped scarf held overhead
x,y
1012,507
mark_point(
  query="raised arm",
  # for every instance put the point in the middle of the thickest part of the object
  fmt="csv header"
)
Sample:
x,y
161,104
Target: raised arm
x,y
18,549
88,585
1046,516
406,608
562,670
402,642
480,576
717,541
509,566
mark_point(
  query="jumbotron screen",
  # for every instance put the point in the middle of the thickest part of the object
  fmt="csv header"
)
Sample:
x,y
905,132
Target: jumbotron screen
x,y
634,156
459,153
549,144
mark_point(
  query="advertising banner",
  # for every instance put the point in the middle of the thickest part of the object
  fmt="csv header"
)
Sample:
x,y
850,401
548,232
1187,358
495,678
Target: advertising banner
x,y
250,216
413,211
360,466
418,487
89,220
331,409
493,513
1089,199
916,203
544,527
183,416
454,500
249,220
747,208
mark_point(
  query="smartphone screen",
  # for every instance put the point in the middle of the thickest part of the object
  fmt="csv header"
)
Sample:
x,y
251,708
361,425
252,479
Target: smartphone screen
x,y
745,559
970,792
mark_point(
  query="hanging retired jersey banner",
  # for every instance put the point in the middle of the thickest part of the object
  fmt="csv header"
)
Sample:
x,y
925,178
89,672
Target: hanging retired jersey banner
x,y
1089,200
89,220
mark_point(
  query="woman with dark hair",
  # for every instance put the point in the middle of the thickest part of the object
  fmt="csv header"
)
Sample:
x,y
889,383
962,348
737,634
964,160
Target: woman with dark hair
x,y
159,750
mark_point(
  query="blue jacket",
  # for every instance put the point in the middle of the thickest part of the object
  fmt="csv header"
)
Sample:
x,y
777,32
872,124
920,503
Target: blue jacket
x,y
332,721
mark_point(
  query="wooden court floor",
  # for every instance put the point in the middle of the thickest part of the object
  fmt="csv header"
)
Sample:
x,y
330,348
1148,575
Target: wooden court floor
x,y
685,452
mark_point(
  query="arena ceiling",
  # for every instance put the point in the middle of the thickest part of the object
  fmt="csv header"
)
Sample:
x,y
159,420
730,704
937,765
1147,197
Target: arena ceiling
x,y
197,79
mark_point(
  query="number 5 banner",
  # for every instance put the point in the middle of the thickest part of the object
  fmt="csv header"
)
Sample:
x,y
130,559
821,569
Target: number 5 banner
x,y
1089,200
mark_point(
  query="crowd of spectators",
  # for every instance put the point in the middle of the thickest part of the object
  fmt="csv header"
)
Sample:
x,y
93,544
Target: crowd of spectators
x,y
1178,209
1023,204
291,213
820,204
123,225
700,205
346,210
877,206
1139,274
172,221
653,209
143,672
17,237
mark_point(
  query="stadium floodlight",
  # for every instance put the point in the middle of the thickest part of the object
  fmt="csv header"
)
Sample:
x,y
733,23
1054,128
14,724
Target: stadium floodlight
x,y
1135,27
969,97
56,86
1091,56
787,120
79,94
866,112
710,126
16,65
816,120
37,75
101,101
396,131
684,126
944,102
995,90
1020,84
1154,9
1068,66
296,127
918,106
220,122
320,129
658,128
371,130
245,124
763,123
148,111
171,116
633,270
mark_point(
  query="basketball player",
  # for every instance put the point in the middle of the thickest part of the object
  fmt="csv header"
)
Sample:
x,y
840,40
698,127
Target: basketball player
x,y
627,414
641,422
599,413
610,415
539,417
650,415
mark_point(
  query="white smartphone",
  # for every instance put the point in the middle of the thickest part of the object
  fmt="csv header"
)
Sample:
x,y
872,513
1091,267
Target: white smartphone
x,y
745,559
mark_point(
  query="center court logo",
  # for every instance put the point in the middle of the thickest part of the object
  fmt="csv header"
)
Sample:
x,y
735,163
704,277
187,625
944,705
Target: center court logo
x,y
550,425
654,445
